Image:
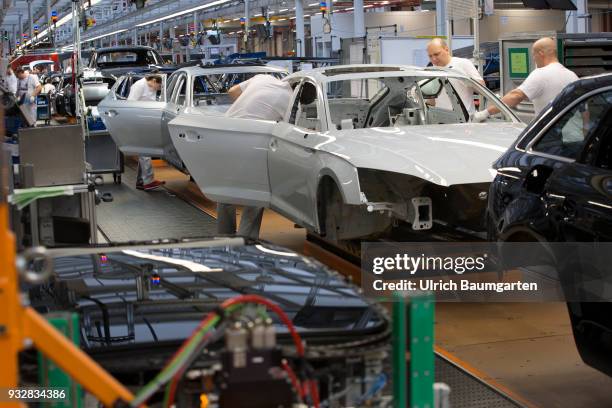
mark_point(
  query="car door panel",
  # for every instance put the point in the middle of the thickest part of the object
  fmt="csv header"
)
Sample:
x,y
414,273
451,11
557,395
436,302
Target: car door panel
x,y
171,111
227,157
135,126
293,159
293,163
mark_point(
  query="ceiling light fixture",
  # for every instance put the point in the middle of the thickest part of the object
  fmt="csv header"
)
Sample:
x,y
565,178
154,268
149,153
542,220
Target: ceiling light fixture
x,y
180,13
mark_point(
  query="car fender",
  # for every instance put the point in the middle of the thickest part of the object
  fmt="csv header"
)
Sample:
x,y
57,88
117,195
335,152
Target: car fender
x,y
345,176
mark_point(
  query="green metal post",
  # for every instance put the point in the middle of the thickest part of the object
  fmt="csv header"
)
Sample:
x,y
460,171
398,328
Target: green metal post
x,y
50,376
422,358
400,382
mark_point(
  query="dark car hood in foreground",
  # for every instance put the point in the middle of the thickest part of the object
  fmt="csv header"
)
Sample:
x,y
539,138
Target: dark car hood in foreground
x,y
120,304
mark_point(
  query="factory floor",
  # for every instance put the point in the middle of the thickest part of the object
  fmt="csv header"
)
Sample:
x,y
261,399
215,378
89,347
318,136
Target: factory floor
x,y
524,349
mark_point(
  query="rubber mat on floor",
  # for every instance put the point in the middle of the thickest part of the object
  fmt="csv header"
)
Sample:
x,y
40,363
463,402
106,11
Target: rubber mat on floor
x,y
136,215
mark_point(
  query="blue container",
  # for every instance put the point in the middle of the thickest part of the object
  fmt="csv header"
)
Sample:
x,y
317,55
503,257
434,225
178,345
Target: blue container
x,y
43,107
95,124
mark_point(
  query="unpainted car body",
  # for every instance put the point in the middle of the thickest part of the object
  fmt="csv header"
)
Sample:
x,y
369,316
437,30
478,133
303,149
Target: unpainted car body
x,y
350,167
141,127
107,64
555,185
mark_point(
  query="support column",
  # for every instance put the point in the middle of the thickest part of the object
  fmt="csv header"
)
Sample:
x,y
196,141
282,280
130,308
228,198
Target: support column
x,y
135,36
359,19
187,47
160,38
20,31
577,21
247,17
299,28
30,21
172,35
49,23
440,17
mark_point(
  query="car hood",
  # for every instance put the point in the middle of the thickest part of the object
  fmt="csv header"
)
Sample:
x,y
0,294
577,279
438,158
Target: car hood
x,y
143,295
442,154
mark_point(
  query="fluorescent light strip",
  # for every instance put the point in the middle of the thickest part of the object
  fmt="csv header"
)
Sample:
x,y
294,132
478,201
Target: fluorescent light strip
x,y
180,13
104,35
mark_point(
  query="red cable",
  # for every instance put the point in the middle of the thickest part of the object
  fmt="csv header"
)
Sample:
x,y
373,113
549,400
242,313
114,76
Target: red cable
x,y
175,379
276,309
314,390
248,299
294,380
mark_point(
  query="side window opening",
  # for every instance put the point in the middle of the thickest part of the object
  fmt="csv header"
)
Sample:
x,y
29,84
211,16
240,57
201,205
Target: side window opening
x,y
304,112
568,136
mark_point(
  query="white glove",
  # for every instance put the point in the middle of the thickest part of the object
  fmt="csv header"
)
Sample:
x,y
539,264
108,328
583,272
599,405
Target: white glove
x,y
32,99
480,116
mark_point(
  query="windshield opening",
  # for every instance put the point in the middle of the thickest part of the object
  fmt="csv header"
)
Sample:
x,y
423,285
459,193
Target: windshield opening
x,y
126,58
402,101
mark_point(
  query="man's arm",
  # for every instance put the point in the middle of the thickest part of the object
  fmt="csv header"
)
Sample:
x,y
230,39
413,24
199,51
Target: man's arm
x,y
234,92
512,99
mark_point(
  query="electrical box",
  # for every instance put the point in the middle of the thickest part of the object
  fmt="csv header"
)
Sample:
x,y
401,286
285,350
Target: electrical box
x,y
57,154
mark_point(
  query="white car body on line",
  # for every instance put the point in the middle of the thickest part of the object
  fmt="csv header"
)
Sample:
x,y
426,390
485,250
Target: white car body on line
x,y
141,127
420,165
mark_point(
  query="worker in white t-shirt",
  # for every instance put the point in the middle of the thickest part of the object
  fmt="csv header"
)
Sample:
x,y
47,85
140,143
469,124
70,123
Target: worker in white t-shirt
x,y
28,88
439,55
145,89
542,85
10,80
262,97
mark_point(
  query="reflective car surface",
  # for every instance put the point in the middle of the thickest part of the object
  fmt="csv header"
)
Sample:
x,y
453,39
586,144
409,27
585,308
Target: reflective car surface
x,y
555,184
360,149
141,127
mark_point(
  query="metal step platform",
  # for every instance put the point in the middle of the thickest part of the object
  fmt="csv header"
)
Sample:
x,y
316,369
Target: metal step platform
x,y
136,215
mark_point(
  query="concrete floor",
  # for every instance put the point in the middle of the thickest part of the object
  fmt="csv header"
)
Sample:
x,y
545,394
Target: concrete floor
x,y
525,348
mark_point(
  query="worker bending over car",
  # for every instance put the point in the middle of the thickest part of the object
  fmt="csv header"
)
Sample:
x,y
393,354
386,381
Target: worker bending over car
x,y
440,56
542,85
262,97
146,89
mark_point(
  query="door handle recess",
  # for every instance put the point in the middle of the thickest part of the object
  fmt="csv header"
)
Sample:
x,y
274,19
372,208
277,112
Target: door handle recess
x,y
192,136
273,145
111,113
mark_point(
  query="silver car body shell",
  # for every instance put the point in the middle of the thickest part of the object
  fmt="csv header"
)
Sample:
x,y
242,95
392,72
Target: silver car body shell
x,y
278,165
140,127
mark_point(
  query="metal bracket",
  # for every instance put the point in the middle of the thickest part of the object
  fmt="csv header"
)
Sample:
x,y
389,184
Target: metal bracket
x,y
397,209
420,213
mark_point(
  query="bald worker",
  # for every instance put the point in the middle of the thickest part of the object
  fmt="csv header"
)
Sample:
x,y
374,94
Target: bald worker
x,y
440,56
542,85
